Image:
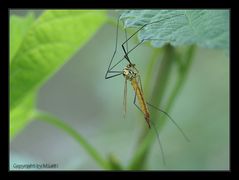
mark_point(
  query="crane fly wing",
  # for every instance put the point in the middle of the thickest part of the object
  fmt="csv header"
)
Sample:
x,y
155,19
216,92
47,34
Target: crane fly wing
x,y
125,98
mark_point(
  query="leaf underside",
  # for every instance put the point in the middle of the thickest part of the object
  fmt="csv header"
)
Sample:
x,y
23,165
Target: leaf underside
x,y
205,28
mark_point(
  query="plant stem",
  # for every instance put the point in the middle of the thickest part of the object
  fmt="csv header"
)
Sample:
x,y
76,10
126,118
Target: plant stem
x,y
140,157
75,135
153,59
183,72
162,76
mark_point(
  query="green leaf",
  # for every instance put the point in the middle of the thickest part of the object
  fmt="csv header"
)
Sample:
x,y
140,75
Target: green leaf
x,y
206,28
47,45
39,49
18,29
22,114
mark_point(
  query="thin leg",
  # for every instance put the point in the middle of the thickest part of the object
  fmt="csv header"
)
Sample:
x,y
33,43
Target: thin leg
x,y
127,39
136,104
150,24
109,69
108,77
159,141
135,101
126,54
139,81
126,51
152,124
135,98
174,122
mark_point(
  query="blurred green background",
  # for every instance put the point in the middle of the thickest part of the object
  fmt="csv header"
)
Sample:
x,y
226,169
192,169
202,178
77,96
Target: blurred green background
x,y
79,94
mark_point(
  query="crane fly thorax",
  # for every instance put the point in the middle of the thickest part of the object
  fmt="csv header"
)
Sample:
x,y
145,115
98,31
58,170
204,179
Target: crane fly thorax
x,y
130,72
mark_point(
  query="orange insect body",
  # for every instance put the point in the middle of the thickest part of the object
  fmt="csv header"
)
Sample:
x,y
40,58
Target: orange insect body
x,y
141,100
131,74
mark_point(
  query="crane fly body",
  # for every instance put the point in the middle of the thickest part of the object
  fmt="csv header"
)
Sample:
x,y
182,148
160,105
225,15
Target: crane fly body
x,y
131,73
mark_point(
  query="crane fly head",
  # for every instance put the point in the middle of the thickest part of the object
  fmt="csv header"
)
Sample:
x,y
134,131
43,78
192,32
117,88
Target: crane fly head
x,y
130,72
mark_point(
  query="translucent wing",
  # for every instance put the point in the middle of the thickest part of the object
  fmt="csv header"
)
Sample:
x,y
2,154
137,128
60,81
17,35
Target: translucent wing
x,y
125,98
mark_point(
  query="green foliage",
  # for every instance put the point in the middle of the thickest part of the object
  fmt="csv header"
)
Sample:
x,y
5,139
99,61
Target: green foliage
x,y
38,48
21,115
206,28
18,29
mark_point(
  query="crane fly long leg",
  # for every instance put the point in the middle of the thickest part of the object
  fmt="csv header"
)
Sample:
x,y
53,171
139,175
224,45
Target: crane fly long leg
x,y
139,81
143,40
109,69
109,66
159,141
156,132
172,120
108,77
135,103
165,113
125,84
126,50
152,123
154,22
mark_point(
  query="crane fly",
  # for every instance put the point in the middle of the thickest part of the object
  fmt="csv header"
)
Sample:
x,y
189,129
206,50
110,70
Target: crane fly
x,y
131,73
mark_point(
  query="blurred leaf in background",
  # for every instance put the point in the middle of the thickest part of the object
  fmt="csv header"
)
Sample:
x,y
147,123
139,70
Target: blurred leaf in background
x,y
38,48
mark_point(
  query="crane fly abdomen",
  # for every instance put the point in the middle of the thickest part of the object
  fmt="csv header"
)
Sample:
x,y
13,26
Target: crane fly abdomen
x,y
141,100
